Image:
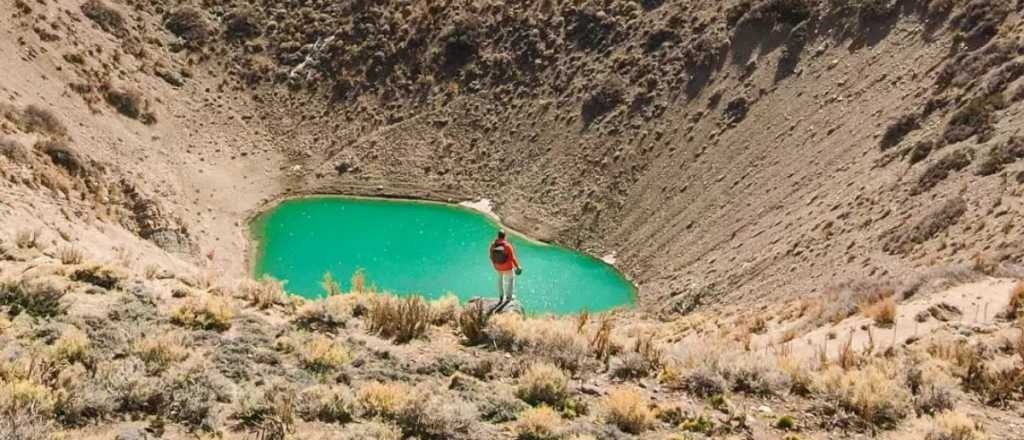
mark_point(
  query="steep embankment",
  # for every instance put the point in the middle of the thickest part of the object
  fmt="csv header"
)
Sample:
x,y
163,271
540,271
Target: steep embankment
x,y
731,150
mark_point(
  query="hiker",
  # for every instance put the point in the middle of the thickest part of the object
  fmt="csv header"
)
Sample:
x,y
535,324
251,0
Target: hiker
x,y
503,256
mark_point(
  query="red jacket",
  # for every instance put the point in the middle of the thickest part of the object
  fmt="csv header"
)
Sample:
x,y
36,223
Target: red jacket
x,y
511,263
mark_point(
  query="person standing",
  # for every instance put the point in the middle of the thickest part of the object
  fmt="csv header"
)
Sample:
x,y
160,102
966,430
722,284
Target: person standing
x,y
503,257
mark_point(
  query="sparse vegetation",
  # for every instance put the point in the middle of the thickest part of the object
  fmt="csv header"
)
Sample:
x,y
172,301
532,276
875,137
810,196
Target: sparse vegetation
x,y
975,118
328,404
942,168
70,255
1015,306
870,393
384,400
899,129
162,351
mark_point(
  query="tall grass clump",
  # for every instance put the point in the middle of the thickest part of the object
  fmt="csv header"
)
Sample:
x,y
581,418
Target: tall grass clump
x,y
952,425
401,319
383,400
473,323
881,311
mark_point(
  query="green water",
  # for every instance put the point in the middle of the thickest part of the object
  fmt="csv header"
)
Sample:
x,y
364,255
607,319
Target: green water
x,y
422,248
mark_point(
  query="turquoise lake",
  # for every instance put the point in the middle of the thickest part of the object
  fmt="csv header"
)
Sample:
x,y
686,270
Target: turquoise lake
x,y
408,247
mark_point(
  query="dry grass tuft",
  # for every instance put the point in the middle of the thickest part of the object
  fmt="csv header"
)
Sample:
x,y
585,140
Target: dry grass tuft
x,y
265,293
444,310
384,400
38,299
26,407
870,393
70,255
326,314
108,19
72,346
1015,307
162,351
627,409
954,426
328,404
402,319
541,423
213,313
554,340
331,287
544,383
321,354
473,323
882,311
27,238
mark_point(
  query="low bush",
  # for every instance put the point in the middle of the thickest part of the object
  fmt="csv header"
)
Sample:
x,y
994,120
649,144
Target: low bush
x,y
628,409
192,395
322,354
14,150
327,314
38,299
899,129
189,24
35,119
402,319
107,18
213,313
100,276
263,294
241,24
26,408
27,238
609,94
328,404
72,346
162,351
267,409
540,423
1001,155
870,393
473,323
444,309
954,426
543,383
942,168
975,118
882,311
438,415
384,400
129,103
554,340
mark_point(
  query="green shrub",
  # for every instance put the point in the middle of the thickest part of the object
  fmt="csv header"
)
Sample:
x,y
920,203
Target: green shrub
x,y
38,299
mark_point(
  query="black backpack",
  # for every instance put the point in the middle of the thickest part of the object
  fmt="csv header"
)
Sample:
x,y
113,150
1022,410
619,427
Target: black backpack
x,y
499,252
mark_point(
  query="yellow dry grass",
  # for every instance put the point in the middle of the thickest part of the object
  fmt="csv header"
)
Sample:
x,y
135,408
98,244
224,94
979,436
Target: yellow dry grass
x,y
211,313
385,400
72,346
321,353
628,409
881,311
161,351
540,423
543,383
953,425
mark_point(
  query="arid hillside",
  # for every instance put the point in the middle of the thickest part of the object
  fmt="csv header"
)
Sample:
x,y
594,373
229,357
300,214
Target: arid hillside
x,y
818,199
